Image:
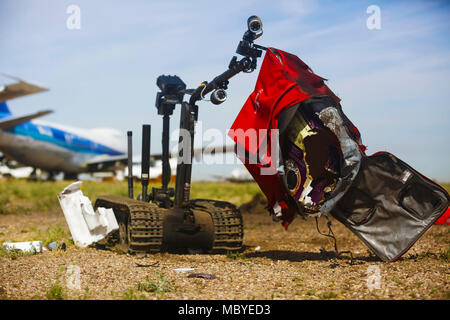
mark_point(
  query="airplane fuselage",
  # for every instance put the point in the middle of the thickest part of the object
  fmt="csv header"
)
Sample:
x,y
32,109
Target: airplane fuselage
x,y
57,148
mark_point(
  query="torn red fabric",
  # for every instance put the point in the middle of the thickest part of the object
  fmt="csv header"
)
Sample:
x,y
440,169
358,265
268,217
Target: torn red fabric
x,y
283,81
445,218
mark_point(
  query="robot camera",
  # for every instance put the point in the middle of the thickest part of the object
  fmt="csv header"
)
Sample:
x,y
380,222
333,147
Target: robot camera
x,y
254,24
170,85
218,96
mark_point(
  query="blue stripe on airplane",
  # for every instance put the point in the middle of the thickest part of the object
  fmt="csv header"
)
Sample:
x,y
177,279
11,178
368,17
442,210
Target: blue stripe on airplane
x,y
62,139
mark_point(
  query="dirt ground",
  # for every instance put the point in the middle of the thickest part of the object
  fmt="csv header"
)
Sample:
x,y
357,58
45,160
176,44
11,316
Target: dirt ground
x,y
276,264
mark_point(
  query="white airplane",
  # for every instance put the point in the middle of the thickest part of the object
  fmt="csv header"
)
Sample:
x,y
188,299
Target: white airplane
x,y
52,147
58,148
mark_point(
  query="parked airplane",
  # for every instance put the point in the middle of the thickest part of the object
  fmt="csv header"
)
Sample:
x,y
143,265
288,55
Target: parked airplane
x,y
58,148
48,146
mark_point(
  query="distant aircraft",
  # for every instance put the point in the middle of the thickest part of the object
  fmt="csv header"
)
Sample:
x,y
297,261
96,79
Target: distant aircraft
x,y
12,172
238,175
52,147
156,161
57,148
156,170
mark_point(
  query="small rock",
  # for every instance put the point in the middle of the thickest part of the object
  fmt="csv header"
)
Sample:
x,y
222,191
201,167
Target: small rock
x,y
202,275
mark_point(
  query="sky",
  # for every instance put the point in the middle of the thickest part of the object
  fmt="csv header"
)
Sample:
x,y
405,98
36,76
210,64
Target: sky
x,y
393,81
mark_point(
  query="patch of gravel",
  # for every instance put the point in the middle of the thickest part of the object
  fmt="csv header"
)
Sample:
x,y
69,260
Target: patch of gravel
x,y
293,264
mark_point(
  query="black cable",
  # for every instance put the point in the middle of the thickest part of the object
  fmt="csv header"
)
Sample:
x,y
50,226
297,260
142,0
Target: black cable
x,y
331,235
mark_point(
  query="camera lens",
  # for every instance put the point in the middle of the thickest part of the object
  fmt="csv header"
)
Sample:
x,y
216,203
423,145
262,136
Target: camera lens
x,y
254,24
218,96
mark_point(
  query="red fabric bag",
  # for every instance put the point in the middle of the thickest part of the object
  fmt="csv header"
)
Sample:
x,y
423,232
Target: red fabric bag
x,y
308,159
284,80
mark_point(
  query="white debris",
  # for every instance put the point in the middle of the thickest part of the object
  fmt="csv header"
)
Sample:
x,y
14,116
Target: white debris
x,y
277,210
86,225
182,270
28,246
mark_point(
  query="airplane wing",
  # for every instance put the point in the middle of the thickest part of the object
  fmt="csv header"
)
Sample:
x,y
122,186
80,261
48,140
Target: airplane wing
x,y
201,151
106,163
18,89
7,123
112,163
213,150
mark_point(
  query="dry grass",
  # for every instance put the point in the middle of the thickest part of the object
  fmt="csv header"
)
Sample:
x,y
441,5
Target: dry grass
x,y
293,264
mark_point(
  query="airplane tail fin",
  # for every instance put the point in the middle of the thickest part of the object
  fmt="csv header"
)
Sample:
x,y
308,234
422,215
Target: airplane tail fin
x,y
19,89
4,110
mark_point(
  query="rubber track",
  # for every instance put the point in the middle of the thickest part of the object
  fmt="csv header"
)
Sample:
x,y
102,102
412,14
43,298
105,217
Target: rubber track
x,y
147,222
146,229
227,220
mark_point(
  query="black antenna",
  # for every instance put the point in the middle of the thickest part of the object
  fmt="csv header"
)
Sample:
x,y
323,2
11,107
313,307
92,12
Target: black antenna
x,y
130,164
145,165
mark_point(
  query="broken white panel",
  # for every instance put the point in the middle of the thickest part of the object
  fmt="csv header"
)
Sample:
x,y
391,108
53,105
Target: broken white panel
x,y
86,225
28,246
